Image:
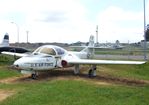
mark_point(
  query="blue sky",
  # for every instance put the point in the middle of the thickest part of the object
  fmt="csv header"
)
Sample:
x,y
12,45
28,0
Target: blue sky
x,y
73,20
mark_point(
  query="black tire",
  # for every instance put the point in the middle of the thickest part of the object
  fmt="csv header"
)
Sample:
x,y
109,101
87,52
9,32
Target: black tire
x,y
34,76
90,73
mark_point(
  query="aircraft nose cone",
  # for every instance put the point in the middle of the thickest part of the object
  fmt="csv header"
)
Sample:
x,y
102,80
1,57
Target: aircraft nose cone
x,y
17,65
16,62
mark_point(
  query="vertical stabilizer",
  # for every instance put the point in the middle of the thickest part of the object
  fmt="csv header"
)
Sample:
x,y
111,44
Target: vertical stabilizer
x,y
91,41
90,48
5,41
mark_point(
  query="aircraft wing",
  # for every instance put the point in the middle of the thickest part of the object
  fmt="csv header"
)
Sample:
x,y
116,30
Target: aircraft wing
x,y
15,54
89,61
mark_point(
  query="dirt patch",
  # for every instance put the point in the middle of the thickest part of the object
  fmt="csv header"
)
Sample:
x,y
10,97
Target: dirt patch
x,y
5,94
12,80
67,74
53,75
124,81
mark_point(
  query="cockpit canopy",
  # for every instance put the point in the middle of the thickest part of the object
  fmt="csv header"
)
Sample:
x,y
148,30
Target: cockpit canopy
x,y
50,49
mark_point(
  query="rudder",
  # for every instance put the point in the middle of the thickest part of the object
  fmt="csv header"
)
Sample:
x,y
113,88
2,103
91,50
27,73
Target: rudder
x,y
5,41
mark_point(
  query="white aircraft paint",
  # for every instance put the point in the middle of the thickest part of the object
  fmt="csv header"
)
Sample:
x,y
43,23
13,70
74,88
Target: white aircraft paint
x,y
49,57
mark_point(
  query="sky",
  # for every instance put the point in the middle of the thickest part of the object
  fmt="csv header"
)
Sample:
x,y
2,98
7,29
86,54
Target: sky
x,y
69,21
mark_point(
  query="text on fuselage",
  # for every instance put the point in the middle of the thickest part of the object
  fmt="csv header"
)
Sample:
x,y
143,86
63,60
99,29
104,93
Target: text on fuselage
x,y
40,64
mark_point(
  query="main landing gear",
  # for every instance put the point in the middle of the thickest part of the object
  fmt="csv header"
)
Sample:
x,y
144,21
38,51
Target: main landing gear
x,y
76,69
92,71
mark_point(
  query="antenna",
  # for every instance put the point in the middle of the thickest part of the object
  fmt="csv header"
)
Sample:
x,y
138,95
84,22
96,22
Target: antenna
x,y
27,36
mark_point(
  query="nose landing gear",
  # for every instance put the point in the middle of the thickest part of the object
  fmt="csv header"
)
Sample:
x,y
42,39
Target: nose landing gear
x,y
34,76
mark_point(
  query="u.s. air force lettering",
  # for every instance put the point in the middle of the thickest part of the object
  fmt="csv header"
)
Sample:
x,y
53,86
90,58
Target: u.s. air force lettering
x,y
41,64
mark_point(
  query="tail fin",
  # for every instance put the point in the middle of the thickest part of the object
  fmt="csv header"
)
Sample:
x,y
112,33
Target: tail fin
x,y
90,48
91,41
5,41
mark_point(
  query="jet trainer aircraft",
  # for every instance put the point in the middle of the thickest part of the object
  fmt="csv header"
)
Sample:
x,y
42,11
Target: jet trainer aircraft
x,y
49,57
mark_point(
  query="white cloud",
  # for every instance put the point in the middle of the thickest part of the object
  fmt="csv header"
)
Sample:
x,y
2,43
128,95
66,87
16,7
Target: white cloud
x,y
67,21
48,20
117,24
70,22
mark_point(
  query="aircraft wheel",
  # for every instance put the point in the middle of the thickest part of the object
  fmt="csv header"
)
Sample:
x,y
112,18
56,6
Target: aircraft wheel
x,y
34,76
90,73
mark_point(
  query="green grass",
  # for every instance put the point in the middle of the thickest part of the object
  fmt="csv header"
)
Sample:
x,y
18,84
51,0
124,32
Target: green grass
x,y
74,92
125,51
112,52
6,59
66,92
121,51
127,71
5,72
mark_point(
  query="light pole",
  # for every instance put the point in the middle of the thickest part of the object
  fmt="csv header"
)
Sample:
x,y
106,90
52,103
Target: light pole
x,y
97,34
17,31
27,36
145,57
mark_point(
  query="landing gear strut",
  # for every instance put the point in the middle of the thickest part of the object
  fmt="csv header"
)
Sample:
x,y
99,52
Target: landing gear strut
x,y
76,69
92,71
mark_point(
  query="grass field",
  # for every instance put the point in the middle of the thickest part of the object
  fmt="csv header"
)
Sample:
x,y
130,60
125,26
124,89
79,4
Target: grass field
x,y
114,85
121,51
126,71
66,92
5,72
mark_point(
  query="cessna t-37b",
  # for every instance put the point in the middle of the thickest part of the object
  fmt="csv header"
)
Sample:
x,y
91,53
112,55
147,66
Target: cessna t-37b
x,y
49,57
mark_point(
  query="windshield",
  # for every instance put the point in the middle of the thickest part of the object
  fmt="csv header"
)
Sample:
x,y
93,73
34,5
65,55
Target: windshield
x,y
59,51
45,50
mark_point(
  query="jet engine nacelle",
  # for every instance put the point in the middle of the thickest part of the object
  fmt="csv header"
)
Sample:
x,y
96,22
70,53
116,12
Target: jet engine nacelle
x,y
65,64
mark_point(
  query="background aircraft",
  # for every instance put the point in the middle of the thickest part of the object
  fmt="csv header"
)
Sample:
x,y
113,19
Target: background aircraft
x,y
5,41
4,46
49,57
115,45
